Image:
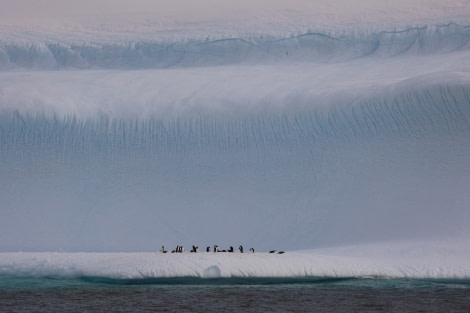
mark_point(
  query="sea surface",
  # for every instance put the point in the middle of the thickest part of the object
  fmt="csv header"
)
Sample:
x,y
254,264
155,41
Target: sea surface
x,y
225,295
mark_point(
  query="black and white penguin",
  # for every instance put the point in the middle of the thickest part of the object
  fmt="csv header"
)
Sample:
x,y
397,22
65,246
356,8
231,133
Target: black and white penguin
x,y
195,249
281,252
252,250
216,248
162,250
208,249
240,249
272,251
231,249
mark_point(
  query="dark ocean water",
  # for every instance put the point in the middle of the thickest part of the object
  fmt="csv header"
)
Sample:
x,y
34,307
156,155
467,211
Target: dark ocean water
x,y
346,295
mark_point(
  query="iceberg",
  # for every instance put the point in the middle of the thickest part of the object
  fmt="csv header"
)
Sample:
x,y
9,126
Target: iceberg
x,y
315,126
396,260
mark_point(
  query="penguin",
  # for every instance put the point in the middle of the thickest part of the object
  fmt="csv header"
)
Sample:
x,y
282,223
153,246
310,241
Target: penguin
x,y
252,250
162,250
281,252
208,249
272,251
216,248
231,249
240,249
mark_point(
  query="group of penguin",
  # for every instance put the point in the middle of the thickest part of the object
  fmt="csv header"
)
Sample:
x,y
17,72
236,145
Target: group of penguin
x,y
195,249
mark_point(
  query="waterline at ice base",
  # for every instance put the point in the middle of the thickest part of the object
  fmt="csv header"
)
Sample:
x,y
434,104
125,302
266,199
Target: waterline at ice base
x,y
338,134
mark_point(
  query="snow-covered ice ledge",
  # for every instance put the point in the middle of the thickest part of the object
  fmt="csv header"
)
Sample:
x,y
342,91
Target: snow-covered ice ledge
x,y
411,260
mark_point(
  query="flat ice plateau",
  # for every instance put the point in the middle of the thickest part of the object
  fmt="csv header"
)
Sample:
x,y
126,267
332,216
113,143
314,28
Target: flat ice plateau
x,y
418,260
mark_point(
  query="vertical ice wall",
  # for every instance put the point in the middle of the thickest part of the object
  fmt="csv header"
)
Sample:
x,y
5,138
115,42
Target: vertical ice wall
x,y
389,169
115,140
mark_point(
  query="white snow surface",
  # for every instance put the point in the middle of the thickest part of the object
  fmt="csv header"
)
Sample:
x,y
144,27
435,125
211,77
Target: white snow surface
x,y
107,18
417,259
234,91
152,59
